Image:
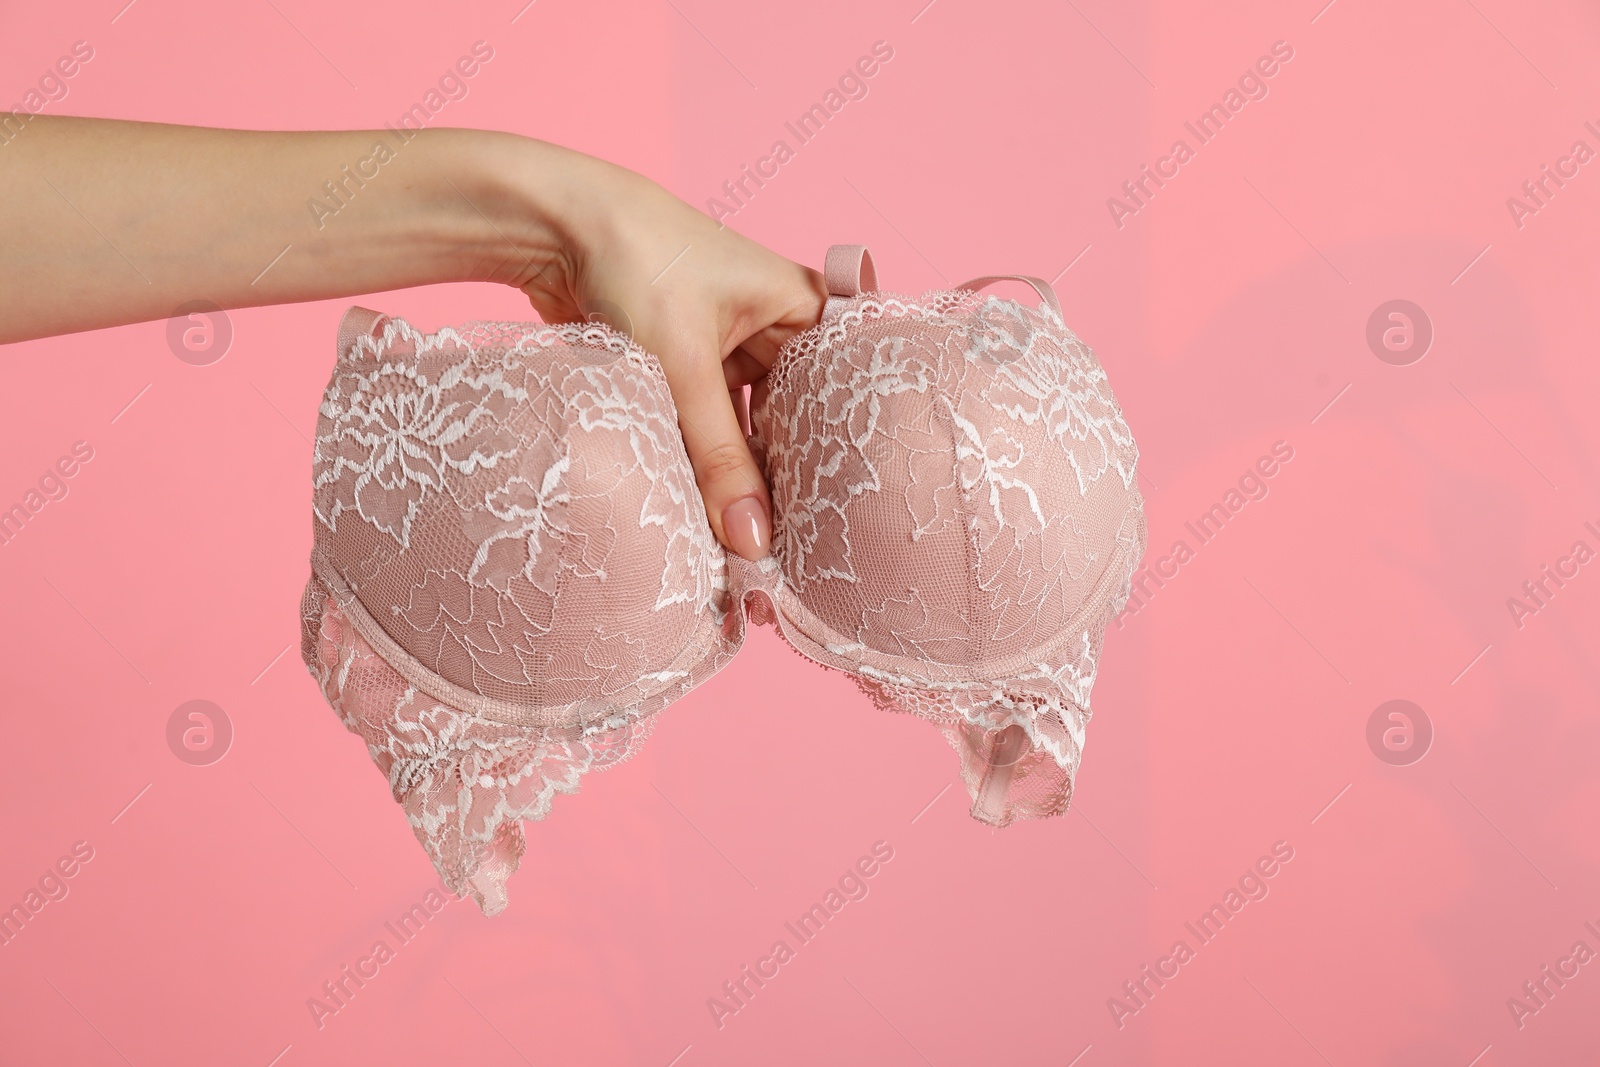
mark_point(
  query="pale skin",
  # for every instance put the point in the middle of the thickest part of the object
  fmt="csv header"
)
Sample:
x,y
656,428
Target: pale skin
x,y
109,222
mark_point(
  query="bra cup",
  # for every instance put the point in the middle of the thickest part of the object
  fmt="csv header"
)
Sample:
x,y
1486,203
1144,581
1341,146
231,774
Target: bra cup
x,y
531,532
941,480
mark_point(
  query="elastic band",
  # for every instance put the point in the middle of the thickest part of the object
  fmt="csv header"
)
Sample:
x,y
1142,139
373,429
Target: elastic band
x,y
358,322
848,271
1040,286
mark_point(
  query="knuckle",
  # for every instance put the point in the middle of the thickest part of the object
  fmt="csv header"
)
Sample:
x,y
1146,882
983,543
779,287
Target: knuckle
x,y
726,469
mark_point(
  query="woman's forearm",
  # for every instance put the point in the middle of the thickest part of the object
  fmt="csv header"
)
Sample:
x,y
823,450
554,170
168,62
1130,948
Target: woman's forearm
x,y
107,222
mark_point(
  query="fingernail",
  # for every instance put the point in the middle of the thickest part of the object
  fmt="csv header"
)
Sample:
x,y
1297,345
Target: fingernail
x,y
745,524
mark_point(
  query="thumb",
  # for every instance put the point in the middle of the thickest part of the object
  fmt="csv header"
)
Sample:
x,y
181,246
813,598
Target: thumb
x,y
737,503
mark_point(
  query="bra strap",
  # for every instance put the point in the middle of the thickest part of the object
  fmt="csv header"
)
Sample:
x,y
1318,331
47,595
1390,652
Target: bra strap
x,y
1040,286
848,272
1005,747
358,322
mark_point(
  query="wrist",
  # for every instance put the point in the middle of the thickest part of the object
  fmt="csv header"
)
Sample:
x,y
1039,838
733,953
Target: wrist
x,y
519,207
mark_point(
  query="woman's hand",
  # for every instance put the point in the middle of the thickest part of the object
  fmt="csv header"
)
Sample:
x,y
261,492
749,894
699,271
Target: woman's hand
x,y
110,222
711,305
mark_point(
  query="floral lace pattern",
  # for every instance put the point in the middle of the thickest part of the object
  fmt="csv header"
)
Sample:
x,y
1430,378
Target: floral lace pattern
x,y
400,432
983,523
486,486
513,570
976,431
465,782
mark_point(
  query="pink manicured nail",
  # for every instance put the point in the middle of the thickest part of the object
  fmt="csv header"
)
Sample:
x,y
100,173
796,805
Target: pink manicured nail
x,y
745,524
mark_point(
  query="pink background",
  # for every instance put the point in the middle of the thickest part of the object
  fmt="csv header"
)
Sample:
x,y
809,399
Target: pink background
x,y
1230,311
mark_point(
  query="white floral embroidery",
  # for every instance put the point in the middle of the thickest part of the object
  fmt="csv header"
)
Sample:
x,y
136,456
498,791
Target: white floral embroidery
x,y
401,434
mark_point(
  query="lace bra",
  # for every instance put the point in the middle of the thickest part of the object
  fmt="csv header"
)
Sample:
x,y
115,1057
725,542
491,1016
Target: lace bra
x,y
512,570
